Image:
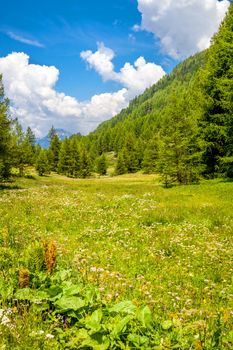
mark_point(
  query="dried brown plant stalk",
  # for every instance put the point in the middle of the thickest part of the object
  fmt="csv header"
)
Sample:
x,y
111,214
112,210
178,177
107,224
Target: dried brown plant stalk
x,y
24,278
50,255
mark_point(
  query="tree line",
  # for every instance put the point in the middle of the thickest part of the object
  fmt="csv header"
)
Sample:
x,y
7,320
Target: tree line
x,y
181,128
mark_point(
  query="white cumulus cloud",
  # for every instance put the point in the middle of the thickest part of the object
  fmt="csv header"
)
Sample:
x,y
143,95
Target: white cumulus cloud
x,y
36,103
136,78
183,26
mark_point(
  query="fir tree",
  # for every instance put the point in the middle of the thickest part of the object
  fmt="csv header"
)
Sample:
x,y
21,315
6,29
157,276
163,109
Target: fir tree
x,y
74,161
53,150
217,121
179,158
64,158
120,165
85,164
42,164
5,139
101,165
151,155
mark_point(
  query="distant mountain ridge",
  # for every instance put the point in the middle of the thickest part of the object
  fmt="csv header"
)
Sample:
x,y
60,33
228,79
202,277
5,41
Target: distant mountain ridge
x,y
44,141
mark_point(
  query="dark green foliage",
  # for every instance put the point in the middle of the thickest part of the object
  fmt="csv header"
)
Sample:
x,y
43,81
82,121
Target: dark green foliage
x,y
29,147
54,149
70,159
85,164
64,158
217,85
42,164
5,160
101,165
151,156
23,147
121,166
180,152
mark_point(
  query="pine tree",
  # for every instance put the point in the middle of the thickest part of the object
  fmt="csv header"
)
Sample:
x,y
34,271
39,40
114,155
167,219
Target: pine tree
x,y
29,147
64,158
120,166
74,161
85,164
42,164
217,121
179,153
151,155
53,150
5,138
20,148
130,154
101,165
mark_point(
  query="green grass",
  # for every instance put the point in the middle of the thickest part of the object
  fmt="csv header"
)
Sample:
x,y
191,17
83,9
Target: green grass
x,y
170,249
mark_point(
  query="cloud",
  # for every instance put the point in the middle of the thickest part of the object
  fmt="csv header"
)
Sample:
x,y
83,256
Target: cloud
x,y
36,103
24,40
101,60
136,78
183,26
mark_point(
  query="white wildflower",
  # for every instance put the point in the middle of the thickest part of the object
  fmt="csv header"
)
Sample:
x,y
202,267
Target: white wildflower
x,y
5,320
49,336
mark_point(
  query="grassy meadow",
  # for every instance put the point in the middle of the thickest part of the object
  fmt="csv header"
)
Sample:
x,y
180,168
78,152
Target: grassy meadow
x,y
138,266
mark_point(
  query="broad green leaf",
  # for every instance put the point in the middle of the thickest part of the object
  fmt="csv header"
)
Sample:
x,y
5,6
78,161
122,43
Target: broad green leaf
x,y
40,307
54,290
137,340
144,316
39,295
121,325
23,294
72,290
94,322
69,303
126,307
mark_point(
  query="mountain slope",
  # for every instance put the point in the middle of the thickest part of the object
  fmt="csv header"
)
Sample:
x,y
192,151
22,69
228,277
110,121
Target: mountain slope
x,y
154,99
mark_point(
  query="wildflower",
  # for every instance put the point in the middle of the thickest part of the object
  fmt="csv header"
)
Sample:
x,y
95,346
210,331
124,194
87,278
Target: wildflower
x,y
49,336
5,320
93,269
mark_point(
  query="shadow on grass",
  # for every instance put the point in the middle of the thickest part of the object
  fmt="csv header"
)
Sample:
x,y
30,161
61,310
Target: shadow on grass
x,y
30,177
228,179
7,186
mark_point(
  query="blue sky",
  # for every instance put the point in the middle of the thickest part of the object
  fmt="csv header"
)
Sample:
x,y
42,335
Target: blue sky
x,y
79,38
65,28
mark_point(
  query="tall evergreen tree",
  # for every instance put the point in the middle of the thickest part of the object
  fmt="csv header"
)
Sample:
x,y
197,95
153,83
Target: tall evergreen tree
x,y
64,158
85,164
151,155
179,159
29,146
120,165
53,150
217,122
20,149
74,159
42,164
5,160
101,165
